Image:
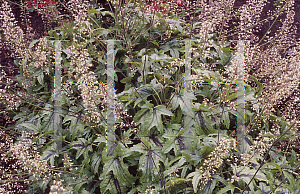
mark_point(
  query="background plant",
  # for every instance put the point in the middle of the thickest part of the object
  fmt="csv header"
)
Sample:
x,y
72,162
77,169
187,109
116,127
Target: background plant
x,y
150,151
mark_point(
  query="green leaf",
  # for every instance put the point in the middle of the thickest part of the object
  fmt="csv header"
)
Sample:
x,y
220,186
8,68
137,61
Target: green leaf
x,y
179,27
151,117
94,10
104,32
174,52
81,146
200,10
196,178
245,173
209,187
69,118
273,164
119,170
229,187
293,158
196,158
291,179
208,123
264,188
33,43
222,180
75,128
175,181
204,122
168,146
96,160
30,126
185,103
206,150
55,19
231,97
140,115
110,184
43,185
78,186
41,135
50,154
195,25
84,192
150,89
225,119
146,165
155,43
259,90
104,13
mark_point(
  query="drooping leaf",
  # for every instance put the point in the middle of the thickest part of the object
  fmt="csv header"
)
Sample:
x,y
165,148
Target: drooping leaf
x,y
196,158
270,164
196,178
291,180
82,146
204,122
150,117
206,150
260,88
293,158
225,119
229,187
30,126
78,186
50,154
40,79
222,180
110,184
209,186
33,43
96,160
185,103
114,167
174,52
245,174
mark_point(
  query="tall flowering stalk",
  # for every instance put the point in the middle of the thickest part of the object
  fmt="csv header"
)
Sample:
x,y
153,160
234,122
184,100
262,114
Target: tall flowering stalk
x,y
215,159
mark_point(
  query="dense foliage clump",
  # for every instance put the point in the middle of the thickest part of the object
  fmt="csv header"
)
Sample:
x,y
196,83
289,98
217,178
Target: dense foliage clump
x,y
169,135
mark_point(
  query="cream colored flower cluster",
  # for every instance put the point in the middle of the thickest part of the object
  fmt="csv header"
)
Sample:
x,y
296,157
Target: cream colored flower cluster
x,y
57,187
8,172
41,52
257,150
250,13
78,6
14,35
212,12
93,93
215,159
85,79
11,100
67,161
28,157
80,9
177,63
28,162
149,190
278,73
